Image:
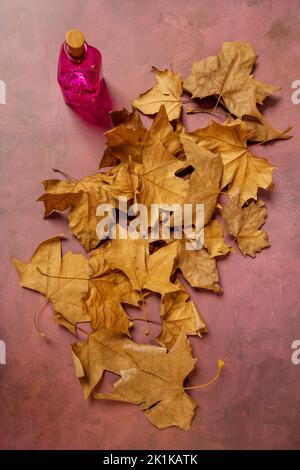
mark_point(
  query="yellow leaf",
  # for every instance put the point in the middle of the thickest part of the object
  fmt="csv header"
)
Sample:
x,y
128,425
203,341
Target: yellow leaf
x,y
161,130
84,196
62,280
244,224
131,138
228,76
155,383
242,171
156,178
204,183
167,91
103,350
178,312
144,271
122,141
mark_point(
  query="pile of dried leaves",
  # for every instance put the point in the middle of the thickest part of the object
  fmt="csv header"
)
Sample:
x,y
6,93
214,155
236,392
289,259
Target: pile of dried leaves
x,y
162,164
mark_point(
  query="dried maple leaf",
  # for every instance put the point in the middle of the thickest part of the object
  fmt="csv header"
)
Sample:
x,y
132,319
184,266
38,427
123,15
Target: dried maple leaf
x,y
108,290
260,130
103,350
62,280
244,224
161,130
263,131
127,140
214,241
178,312
156,178
242,171
155,383
144,271
167,91
84,196
130,120
80,290
160,165
204,183
228,76
198,268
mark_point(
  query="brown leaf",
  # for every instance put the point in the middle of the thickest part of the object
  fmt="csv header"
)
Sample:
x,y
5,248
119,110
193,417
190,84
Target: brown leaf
x,y
244,224
123,141
178,312
155,383
198,268
131,120
228,76
167,91
105,298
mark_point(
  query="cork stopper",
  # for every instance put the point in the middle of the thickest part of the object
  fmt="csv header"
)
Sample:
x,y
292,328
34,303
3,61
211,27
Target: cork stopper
x,y
75,42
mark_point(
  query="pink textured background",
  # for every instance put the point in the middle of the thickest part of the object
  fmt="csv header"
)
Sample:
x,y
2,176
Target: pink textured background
x,y
256,402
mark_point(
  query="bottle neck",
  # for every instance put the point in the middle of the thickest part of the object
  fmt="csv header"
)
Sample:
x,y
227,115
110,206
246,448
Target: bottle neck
x,y
76,59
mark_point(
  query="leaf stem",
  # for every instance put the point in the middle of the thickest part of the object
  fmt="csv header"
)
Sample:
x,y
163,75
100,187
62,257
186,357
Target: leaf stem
x,y
66,175
220,367
143,319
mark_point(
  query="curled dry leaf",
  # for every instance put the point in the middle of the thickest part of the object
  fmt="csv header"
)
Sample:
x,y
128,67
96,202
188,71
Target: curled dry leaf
x,y
84,196
104,301
228,76
179,313
155,383
167,91
244,224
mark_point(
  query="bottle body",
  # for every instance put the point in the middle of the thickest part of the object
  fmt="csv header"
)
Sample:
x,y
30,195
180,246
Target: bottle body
x,y
81,80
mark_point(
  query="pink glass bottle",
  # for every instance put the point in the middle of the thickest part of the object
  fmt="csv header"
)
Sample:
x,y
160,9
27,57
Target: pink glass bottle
x,y
80,77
